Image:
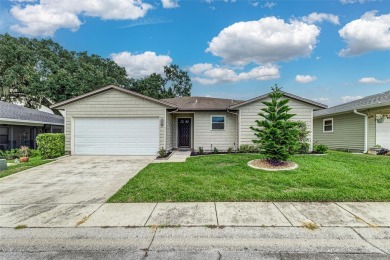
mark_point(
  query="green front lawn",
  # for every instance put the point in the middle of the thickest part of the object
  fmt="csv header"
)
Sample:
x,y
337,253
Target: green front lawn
x,y
337,176
33,162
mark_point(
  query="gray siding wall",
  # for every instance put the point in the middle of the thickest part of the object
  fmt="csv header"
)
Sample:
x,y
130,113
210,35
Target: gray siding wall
x,y
249,114
205,137
112,103
348,132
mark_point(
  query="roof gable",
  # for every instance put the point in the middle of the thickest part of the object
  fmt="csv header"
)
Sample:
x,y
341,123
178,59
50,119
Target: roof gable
x,y
288,95
110,87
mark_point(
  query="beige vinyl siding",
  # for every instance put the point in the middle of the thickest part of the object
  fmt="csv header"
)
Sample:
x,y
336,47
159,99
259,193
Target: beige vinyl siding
x,y
169,131
371,132
175,124
112,103
204,136
249,114
348,132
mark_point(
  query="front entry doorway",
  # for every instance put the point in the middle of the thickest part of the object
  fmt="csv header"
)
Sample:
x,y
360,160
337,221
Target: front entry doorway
x,y
184,132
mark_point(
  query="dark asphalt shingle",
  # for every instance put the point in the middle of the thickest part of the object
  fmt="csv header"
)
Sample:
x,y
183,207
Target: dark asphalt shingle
x,y
202,103
11,111
376,99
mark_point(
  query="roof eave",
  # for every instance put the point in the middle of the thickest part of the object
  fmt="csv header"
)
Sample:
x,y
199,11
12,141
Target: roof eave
x,y
29,121
382,104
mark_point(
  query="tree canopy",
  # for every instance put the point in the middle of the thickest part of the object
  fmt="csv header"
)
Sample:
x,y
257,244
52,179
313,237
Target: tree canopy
x,y
42,72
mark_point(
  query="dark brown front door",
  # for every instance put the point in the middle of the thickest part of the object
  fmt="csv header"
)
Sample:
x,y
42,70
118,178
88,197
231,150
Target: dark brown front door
x,y
184,132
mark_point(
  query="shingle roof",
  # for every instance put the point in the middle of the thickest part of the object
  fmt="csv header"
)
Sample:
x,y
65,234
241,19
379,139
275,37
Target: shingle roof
x,y
376,100
13,112
286,94
202,103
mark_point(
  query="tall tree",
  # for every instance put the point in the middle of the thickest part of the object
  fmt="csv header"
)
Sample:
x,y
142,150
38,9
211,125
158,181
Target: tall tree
x,y
174,83
40,72
277,134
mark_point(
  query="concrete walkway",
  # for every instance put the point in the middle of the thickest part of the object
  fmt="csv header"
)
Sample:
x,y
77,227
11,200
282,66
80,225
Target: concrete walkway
x,y
256,214
261,214
176,156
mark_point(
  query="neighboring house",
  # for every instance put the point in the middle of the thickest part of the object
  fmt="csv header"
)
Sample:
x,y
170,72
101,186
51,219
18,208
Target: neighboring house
x,y
116,121
353,126
20,125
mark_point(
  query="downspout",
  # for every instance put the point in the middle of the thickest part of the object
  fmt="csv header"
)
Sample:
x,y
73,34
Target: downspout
x,y
365,129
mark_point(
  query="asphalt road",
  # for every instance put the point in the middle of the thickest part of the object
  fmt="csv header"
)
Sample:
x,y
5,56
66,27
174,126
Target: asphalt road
x,y
195,243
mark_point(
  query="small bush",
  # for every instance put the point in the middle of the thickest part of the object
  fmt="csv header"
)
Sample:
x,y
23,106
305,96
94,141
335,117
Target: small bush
x,y
245,148
230,150
10,154
215,150
200,150
51,145
320,148
162,152
303,148
34,153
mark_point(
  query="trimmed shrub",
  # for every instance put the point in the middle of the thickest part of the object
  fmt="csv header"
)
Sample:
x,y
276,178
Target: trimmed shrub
x,y
51,145
200,150
303,148
320,148
245,148
10,154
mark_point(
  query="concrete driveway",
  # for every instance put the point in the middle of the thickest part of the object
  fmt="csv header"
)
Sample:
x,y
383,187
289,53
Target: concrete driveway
x,y
66,192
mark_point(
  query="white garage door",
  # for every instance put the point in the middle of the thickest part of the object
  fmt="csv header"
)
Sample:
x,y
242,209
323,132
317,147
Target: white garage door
x,y
383,133
116,136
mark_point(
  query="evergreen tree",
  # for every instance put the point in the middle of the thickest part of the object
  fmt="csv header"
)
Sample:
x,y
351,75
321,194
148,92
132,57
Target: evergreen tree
x,y
277,134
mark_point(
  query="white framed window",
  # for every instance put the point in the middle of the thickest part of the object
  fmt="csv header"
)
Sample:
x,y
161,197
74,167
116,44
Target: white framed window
x,y
218,122
327,125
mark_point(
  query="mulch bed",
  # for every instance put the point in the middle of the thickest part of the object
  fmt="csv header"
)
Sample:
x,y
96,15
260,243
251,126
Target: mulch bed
x,y
265,165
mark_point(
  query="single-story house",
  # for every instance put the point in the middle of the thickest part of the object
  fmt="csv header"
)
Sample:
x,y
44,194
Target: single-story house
x,y
355,126
116,121
20,125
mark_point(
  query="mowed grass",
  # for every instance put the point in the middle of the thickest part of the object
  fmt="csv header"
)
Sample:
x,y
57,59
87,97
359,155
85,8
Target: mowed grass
x,y
337,176
33,162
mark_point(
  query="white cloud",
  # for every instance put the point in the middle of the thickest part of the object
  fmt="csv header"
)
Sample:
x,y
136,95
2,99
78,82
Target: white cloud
x,y
214,75
355,1
266,40
347,99
170,3
141,65
47,16
269,5
305,78
320,17
201,67
369,33
372,80
321,99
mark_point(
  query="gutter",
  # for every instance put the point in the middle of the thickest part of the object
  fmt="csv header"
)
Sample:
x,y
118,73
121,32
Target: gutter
x,y
365,129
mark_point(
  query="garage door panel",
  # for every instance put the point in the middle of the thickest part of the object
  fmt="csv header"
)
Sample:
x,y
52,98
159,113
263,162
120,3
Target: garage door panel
x,y
116,136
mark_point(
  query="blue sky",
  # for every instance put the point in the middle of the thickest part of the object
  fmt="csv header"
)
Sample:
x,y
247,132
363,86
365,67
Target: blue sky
x,y
331,51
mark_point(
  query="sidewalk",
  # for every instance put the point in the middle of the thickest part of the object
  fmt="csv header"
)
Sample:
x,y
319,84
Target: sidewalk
x,y
261,214
206,230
